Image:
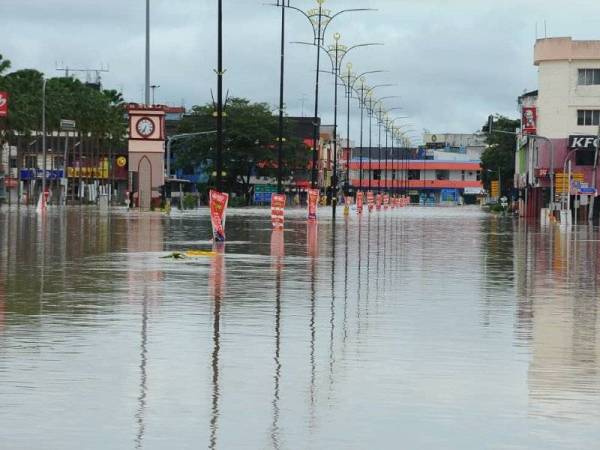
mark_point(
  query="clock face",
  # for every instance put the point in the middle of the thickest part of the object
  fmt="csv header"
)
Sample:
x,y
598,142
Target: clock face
x,y
145,127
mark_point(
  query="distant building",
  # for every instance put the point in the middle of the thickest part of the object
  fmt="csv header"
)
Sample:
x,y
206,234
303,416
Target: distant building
x,y
446,169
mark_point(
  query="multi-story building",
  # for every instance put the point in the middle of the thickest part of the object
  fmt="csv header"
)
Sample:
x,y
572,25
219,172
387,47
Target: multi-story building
x,y
560,123
446,169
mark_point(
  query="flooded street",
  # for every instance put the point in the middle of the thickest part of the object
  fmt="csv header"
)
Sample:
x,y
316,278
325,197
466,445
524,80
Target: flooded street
x,y
425,328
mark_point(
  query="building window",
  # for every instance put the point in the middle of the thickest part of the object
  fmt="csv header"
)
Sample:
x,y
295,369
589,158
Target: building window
x,y
377,174
442,174
31,162
414,174
586,117
478,175
588,77
462,175
584,157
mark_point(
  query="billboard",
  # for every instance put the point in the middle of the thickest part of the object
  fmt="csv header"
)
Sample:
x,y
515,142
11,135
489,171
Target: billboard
x,y
529,120
3,104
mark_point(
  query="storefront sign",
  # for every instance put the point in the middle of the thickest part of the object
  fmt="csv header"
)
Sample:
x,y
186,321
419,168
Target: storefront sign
x,y
277,210
313,200
3,104
218,208
529,120
583,142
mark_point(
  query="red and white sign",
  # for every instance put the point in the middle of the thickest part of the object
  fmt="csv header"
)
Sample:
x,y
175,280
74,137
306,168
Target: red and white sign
x,y
529,120
386,201
359,202
378,202
277,210
313,200
3,104
218,208
370,200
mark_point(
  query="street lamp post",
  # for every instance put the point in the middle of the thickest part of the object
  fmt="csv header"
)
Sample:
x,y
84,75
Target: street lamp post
x,y
147,81
220,72
320,19
281,100
44,150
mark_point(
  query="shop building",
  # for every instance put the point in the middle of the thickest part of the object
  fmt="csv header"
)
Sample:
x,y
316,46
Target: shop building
x,y
560,123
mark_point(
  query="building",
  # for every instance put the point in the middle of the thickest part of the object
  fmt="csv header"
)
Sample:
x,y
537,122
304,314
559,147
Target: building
x,y
560,123
446,169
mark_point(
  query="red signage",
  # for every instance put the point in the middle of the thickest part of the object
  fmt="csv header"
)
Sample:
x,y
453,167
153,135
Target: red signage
x,y
370,200
529,120
359,202
218,207
3,104
378,202
277,210
313,199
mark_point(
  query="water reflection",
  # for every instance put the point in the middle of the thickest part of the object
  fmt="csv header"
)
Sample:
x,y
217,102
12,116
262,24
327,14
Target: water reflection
x,y
401,326
216,281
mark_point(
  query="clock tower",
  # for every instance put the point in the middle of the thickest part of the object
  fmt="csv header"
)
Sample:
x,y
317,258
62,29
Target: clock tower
x,y
146,154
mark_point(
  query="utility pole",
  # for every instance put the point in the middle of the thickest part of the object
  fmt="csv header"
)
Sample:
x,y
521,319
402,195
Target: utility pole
x,y
281,102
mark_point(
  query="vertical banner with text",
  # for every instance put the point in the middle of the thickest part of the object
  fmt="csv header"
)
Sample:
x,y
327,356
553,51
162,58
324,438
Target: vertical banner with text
x,y
370,200
313,201
218,208
277,210
359,202
378,202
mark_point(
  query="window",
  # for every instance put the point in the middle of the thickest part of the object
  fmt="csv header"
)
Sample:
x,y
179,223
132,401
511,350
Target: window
x,y
414,174
377,174
31,162
442,174
478,175
588,77
462,175
587,117
13,163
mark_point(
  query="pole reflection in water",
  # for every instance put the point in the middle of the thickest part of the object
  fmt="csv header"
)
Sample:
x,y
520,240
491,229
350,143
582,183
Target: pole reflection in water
x,y
332,308
313,253
143,376
216,281
345,326
277,255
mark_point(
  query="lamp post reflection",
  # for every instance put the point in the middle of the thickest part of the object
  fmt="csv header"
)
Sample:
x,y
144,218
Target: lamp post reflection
x,y
277,255
312,230
216,280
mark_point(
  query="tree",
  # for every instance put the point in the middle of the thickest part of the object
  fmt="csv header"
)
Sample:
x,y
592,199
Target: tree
x,y
4,64
250,144
499,156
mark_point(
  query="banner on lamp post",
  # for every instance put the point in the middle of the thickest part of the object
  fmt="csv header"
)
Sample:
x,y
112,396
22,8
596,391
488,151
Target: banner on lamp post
x,y
218,208
313,201
370,200
277,210
386,201
378,202
359,202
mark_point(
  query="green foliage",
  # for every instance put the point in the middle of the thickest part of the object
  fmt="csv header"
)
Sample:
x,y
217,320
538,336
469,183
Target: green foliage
x,y
95,111
250,143
500,154
189,201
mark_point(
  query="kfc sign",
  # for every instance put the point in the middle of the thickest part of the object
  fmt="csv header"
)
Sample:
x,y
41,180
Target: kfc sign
x,y
3,104
583,142
529,120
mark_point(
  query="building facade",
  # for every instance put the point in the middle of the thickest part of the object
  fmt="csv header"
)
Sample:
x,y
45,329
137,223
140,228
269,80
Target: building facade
x,y
560,123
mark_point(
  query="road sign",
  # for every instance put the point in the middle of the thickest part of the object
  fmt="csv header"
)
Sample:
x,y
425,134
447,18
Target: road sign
x,y
561,181
269,188
495,189
66,124
587,190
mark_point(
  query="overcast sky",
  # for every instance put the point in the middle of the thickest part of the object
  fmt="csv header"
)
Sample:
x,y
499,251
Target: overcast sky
x,y
453,62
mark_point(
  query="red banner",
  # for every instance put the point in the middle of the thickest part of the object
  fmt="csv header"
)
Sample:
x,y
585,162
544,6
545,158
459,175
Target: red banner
x,y
277,210
370,200
218,207
313,201
3,104
386,201
378,201
359,202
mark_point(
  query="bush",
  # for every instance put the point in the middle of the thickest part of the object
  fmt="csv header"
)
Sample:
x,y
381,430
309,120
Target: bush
x,y
237,202
189,201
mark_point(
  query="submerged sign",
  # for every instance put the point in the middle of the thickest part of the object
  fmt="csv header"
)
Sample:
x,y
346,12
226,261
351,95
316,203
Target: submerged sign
x,y
583,142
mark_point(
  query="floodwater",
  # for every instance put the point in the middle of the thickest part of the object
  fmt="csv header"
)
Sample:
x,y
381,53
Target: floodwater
x,y
425,328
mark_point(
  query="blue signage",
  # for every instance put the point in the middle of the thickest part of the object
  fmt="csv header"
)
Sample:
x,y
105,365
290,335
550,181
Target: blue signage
x,y
262,197
32,174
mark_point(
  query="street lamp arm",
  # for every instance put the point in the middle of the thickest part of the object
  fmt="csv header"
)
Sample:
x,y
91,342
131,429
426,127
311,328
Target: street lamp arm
x,y
343,12
345,53
316,38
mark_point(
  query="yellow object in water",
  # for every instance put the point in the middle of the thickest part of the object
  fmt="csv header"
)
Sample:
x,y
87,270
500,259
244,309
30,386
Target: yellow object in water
x,y
199,253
